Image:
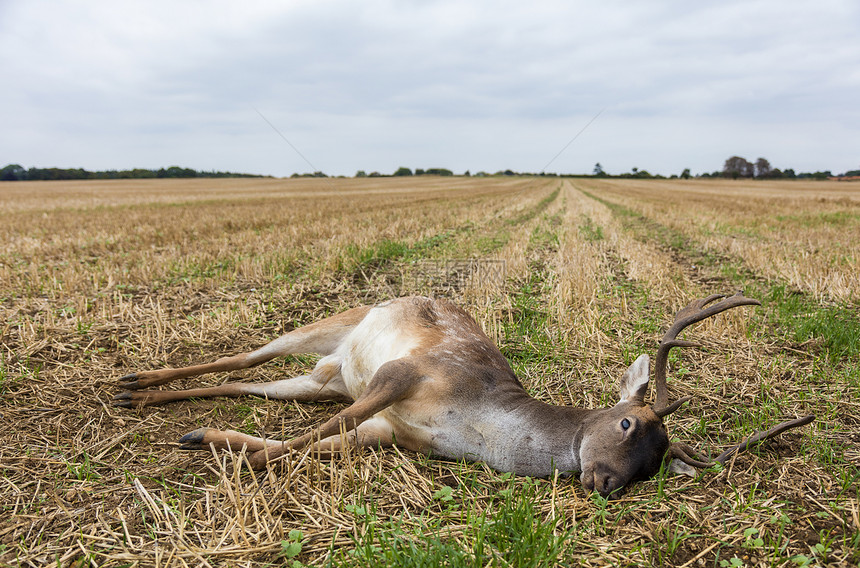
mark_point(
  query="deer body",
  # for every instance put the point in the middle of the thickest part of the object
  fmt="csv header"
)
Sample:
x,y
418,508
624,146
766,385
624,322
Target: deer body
x,y
468,402
421,373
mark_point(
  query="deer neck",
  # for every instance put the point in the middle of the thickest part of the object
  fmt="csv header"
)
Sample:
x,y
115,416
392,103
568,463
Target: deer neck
x,y
538,439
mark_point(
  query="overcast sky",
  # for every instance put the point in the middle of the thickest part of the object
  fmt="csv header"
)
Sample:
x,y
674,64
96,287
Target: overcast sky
x,y
464,85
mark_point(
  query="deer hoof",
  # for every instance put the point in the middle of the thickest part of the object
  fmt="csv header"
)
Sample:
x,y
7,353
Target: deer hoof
x,y
123,399
131,381
137,399
195,440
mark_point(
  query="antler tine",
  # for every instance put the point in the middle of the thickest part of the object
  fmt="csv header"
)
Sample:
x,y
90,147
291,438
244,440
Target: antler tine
x,y
686,454
763,435
690,456
695,311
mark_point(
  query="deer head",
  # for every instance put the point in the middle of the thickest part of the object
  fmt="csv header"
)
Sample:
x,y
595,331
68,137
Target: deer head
x,y
629,441
626,442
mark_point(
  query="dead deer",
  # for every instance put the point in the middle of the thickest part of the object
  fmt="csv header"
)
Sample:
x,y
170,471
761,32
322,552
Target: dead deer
x,y
420,372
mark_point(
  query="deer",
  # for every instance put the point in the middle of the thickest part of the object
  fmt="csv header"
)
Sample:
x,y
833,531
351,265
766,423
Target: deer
x,y
421,373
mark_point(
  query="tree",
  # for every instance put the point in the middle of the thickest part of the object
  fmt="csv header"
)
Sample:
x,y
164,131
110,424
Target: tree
x,y
403,172
361,174
598,170
434,172
762,168
176,172
640,174
819,175
13,172
685,174
736,167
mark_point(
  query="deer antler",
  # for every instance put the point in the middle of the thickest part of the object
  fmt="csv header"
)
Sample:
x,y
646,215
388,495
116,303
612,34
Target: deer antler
x,y
690,456
696,311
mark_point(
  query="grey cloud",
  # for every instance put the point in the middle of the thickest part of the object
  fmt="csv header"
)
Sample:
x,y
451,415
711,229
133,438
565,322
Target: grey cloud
x,y
476,85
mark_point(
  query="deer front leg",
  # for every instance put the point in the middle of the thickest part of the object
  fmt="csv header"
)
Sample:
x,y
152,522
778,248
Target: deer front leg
x,y
321,337
325,383
202,438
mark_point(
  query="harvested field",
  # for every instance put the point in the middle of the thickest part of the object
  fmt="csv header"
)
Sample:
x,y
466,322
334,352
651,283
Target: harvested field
x,y
99,279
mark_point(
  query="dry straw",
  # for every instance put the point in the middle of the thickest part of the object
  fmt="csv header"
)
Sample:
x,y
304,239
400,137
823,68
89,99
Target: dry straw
x,y
100,279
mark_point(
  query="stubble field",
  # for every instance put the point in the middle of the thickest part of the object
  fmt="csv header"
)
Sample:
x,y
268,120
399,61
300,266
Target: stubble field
x,y
99,279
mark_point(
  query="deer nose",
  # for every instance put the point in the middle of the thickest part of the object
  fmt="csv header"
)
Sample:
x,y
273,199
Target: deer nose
x,y
601,481
605,484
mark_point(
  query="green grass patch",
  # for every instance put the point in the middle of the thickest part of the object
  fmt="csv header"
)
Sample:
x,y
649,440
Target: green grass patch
x,y
491,243
189,270
589,230
840,219
509,531
642,228
545,235
539,208
387,250
529,340
834,330
377,253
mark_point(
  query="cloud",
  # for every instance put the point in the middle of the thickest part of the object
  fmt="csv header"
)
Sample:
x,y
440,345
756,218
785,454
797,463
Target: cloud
x,y
477,85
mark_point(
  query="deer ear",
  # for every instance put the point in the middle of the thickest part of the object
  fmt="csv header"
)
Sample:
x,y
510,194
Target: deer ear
x,y
634,381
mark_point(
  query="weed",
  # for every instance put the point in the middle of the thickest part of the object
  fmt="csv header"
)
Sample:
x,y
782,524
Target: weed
x,y
292,547
83,469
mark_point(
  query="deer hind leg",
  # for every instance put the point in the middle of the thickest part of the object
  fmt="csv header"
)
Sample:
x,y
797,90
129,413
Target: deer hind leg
x,y
321,337
324,383
393,382
375,432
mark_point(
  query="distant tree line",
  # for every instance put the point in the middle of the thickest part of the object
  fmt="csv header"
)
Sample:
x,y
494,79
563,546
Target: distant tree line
x,y
737,167
313,175
734,167
428,172
14,172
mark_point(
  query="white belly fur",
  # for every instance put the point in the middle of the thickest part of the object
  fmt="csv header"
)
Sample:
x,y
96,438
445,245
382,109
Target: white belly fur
x,y
375,341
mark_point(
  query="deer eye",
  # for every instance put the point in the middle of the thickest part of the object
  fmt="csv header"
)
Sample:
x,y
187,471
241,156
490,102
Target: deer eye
x,y
625,424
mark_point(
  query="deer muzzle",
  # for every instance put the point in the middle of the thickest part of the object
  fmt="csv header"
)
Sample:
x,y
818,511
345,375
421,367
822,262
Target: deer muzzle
x,y
605,482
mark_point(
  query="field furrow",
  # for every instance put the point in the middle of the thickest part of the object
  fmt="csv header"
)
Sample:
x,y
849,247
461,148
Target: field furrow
x,y
573,278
